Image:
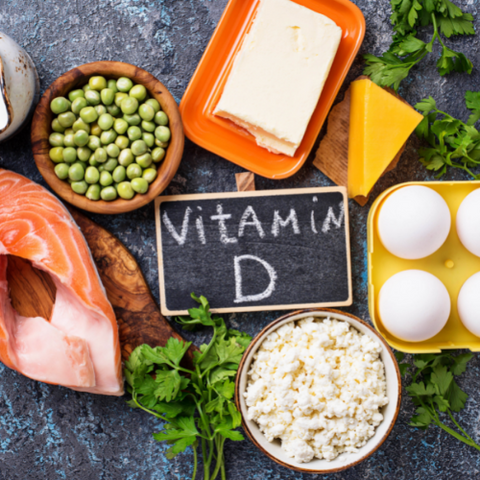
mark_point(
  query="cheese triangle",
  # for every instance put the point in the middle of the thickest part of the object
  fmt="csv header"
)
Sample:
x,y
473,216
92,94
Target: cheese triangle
x,y
380,124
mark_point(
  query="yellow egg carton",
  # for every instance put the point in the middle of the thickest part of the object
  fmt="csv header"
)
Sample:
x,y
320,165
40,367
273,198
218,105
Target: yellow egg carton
x,y
452,263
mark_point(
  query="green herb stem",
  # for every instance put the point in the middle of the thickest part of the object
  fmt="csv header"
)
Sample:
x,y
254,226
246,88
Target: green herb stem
x,y
195,461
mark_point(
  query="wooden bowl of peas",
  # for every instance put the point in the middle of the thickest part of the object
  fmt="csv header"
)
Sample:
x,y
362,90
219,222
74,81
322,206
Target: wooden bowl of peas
x,y
107,137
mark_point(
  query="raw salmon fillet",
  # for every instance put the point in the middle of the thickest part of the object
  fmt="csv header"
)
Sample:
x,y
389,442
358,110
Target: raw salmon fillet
x,y
78,347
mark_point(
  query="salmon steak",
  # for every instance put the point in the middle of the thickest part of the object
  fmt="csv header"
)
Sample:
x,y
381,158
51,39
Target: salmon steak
x,y
79,346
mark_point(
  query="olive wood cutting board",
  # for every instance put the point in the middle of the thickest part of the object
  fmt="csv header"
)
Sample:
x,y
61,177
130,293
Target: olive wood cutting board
x,y
32,291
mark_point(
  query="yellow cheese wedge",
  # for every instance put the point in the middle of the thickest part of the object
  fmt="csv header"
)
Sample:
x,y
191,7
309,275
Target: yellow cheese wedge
x,y
380,124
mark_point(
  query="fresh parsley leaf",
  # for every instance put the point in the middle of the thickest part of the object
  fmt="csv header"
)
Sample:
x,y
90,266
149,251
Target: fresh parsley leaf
x,y
407,50
194,404
435,393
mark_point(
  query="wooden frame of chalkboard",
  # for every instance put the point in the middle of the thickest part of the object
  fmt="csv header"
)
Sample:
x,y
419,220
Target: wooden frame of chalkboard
x,y
193,209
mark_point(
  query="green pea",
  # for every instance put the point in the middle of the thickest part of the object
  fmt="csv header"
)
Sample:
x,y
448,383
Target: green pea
x,y
100,155
112,85
80,125
61,170
106,178
149,139
115,184
112,150
76,172
154,104
79,187
67,119
56,139
163,134
78,104
105,121
108,194
150,174
69,131
148,126
119,97
134,171
134,119
69,140
84,154
158,143
97,83
92,97
101,168
59,105
120,126
129,105
140,185
125,190
108,96
92,175
119,174
144,160
93,162
88,114
113,110
126,157
153,167
93,142
124,84
146,112
95,129
122,142
107,137
85,165
139,92
93,192
56,127
81,138
100,109
86,88
74,94
161,118
56,154
134,133
69,154
158,154
139,147
110,165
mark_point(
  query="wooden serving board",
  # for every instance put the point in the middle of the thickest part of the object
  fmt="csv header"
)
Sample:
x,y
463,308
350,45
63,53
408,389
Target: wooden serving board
x,y
139,319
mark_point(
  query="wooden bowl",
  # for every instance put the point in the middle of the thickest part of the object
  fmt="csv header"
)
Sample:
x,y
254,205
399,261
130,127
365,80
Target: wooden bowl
x,y
344,460
76,78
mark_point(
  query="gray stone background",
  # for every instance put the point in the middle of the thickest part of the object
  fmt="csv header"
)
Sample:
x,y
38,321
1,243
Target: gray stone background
x,y
49,432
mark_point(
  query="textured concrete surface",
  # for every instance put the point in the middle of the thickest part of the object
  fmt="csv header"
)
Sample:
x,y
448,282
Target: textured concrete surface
x,y
49,432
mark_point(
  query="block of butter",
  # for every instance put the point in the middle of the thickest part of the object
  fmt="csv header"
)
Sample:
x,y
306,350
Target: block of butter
x,y
279,74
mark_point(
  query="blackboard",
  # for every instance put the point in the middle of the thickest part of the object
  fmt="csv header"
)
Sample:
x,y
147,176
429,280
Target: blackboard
x,y
247,251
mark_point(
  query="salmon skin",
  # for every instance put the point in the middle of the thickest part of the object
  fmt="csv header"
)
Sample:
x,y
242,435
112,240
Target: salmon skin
x,y
79,346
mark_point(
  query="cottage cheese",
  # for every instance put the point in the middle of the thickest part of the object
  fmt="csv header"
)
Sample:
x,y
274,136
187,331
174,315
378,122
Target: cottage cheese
x,y
318,385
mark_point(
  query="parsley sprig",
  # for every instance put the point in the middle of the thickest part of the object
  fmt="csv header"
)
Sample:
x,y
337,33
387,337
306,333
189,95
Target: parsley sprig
x,y
452,143
435,392
195,404
407,49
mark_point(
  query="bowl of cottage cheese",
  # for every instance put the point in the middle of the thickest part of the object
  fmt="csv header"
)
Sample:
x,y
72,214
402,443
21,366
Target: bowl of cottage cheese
x,y
319,391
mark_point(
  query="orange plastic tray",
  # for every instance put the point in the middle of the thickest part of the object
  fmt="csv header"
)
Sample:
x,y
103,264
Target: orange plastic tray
x,y
223,137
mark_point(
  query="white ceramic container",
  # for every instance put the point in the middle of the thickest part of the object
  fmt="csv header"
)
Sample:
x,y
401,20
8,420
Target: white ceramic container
x,y
19,87
344,460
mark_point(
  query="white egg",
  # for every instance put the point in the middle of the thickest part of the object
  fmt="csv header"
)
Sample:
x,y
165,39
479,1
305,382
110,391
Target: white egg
x,y
468,304
414,222
414,305
468,222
